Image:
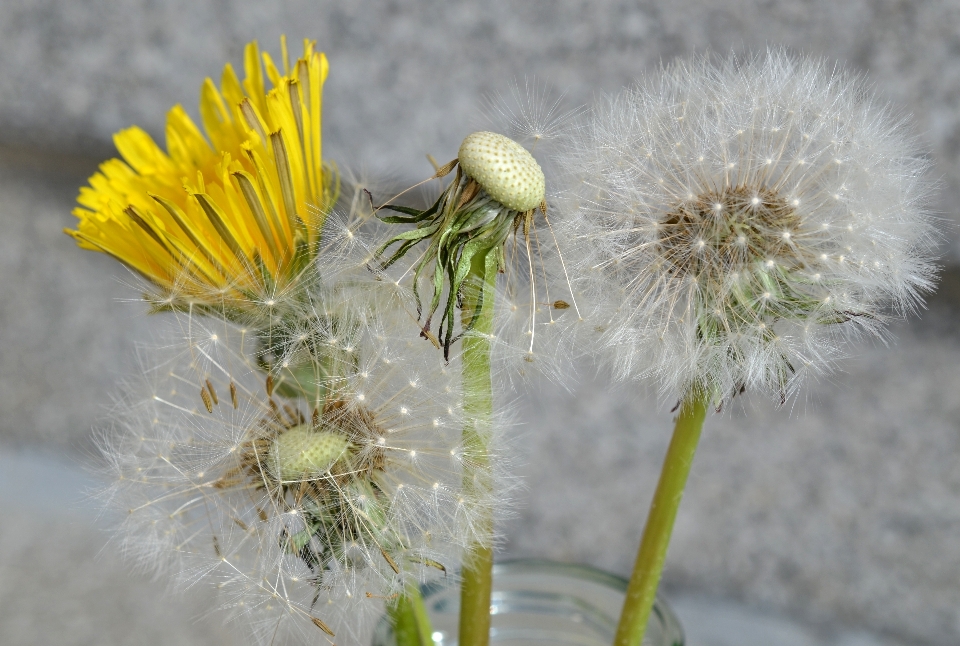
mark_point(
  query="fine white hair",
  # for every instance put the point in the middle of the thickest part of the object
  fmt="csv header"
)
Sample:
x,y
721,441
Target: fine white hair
x,y
196,495
747,216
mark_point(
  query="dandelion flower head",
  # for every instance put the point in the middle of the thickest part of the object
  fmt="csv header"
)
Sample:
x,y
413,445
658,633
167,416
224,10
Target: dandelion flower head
x,y
228,215
497,189
747,216
481,244
305,515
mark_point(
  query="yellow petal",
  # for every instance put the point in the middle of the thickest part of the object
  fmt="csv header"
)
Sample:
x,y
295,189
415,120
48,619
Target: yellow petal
x,y
205,217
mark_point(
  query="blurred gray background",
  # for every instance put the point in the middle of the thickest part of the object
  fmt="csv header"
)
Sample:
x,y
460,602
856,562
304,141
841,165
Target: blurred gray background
x,y
836,521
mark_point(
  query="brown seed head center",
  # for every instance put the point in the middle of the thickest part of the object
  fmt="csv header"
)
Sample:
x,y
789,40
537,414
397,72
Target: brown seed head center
x,y
727,231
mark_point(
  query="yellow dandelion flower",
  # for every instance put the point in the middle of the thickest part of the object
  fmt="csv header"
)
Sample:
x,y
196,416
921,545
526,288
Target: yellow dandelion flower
x,y
232,215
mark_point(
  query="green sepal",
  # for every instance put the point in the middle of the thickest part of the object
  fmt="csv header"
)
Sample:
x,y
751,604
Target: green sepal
x,y
456,236
417,214
268,281
303,250
478,246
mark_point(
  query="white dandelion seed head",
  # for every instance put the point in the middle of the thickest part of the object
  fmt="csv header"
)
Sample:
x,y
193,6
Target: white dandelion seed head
x,y
280,499
771,129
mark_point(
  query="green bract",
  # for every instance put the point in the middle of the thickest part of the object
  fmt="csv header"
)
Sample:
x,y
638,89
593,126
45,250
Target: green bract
x,y
498,187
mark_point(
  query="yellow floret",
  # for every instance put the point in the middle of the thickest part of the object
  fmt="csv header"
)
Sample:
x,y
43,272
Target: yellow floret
x,y
233,209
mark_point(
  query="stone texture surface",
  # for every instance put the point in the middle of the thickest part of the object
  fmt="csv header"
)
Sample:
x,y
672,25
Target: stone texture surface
x,y
407,75
65,330
58,585
841,512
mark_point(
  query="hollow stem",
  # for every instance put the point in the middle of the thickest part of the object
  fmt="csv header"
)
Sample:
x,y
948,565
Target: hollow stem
x,y
642,589
411,624
478,306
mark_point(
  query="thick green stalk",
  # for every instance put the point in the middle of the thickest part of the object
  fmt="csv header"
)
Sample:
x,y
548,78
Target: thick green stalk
x,y
663,511
411,625
478,406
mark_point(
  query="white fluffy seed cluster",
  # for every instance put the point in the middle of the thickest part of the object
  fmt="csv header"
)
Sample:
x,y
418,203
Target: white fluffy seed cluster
x,y
745,218
295,510
504,169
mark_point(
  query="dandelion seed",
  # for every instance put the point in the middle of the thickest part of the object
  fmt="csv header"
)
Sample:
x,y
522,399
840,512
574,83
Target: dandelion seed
x,y
205,396
213,393
530,114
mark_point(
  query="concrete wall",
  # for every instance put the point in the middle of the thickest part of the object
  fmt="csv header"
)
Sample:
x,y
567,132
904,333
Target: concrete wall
x,y
407,74
841,511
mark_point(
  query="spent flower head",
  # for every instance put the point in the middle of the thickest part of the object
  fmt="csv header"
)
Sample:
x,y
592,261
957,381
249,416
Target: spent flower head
x,y
489,220
746,217
496,190
307,513
227,218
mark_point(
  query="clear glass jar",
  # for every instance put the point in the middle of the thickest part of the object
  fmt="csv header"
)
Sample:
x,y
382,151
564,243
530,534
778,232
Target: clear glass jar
x,y
535,603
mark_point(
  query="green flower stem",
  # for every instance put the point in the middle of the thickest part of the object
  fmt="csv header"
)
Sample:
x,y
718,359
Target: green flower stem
x,y
411,625
478,303
663,511
423,619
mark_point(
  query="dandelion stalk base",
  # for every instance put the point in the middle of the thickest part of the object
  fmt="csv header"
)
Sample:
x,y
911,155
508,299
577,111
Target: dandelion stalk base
x,y
642,589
